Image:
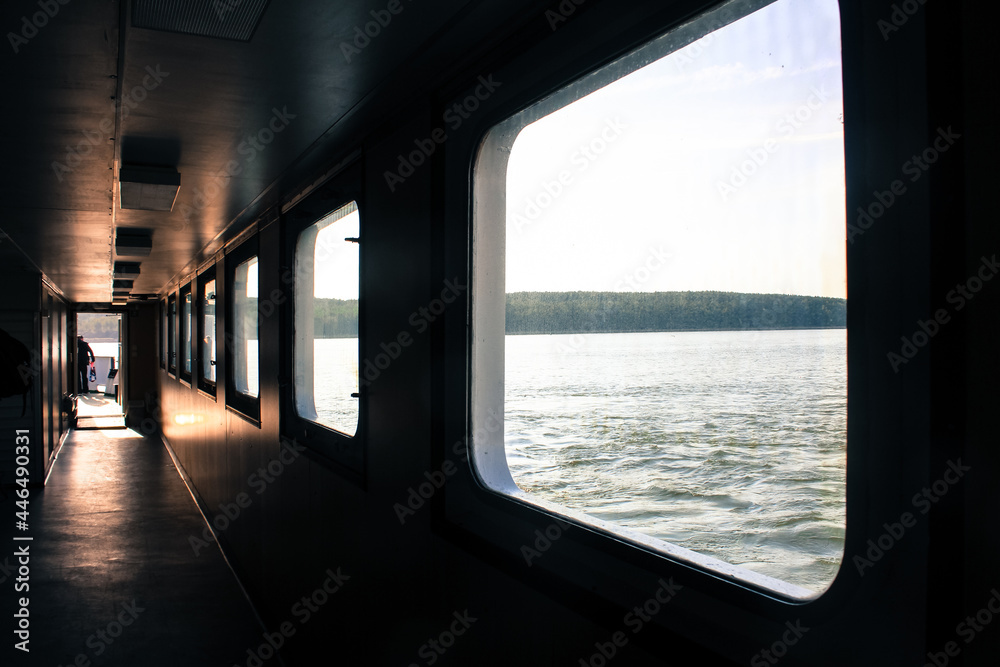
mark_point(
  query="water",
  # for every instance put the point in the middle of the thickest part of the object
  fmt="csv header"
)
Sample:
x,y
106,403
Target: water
x,y
250,384
336,378
731,444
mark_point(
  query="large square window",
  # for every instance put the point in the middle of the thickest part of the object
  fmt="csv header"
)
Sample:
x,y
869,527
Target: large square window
x,y
664,338
186,339
163,333
243,330
172,334
326,320
206,331
246,327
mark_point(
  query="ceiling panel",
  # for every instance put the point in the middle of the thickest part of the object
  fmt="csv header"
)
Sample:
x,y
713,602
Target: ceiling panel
x,y
57,130
234,118
223,19
76,243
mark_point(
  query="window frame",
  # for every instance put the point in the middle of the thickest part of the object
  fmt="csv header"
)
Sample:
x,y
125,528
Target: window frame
x,y
185,352
488,317
242,403
162,332
172,334
586,559
346,454
207,386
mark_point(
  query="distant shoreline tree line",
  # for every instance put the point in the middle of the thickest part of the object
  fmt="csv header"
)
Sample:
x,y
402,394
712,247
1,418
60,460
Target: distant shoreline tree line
x,y
98,328
621,312
625,312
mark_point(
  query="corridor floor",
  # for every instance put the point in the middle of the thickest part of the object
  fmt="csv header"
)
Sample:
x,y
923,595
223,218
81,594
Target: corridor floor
x,y
98,411
113,578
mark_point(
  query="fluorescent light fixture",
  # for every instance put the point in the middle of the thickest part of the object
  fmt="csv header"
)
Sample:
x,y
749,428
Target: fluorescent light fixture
x,y
133,242
126,270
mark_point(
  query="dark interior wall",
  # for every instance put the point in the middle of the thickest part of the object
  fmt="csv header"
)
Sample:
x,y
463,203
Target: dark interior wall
x,y
19,317
979,354
140,385
407,580
56,377
32,313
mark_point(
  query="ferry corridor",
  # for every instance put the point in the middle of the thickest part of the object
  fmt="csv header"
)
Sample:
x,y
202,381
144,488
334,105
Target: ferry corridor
x,y
113,577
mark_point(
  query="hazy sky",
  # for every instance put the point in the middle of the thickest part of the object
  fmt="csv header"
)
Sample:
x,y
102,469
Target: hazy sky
x,y
674,133
653,204
252,278
337,260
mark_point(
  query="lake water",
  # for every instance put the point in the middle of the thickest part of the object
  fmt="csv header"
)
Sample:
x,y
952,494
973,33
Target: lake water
x,y
336,378
731,444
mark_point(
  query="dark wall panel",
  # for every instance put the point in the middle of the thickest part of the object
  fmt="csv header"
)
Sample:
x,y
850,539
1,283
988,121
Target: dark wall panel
x,y
405,581
311,518
34,315
142,364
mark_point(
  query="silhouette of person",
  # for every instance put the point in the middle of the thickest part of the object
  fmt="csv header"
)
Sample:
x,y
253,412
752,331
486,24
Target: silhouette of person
x,y
84,357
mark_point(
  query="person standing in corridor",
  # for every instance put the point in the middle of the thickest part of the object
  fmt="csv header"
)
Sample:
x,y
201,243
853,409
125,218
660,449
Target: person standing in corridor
x,y
84,358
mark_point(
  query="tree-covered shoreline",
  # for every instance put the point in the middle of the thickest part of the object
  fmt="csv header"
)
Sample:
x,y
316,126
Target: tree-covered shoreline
x,y
631,312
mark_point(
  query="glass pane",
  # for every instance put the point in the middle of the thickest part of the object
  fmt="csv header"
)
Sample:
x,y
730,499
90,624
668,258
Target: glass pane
x,y
163,333
171,332
676,298
245,328
326,321
186,331
208,331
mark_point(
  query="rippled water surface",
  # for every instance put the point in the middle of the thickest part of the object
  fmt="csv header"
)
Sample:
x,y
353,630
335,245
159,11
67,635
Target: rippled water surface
x,y
336,378
731,444
727,443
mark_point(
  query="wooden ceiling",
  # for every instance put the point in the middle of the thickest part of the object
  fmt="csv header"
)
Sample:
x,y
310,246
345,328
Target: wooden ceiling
x,y
244,122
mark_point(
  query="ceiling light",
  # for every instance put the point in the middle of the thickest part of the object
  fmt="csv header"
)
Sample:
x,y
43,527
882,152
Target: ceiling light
x,y
126,270
133,242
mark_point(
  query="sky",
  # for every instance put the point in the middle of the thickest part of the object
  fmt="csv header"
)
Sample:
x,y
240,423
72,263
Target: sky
x,y
337,261
668,196
252,278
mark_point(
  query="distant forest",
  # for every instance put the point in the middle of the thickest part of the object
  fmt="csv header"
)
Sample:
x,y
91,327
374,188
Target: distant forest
x,y
610,312
607,312
97,328
335,318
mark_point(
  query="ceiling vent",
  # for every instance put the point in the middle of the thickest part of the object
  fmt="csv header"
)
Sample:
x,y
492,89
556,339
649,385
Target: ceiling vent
x,y
148,188
222,19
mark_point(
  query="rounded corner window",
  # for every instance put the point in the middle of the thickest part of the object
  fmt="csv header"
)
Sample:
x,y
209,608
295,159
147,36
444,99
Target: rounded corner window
x,y
207,336
660,350
327,289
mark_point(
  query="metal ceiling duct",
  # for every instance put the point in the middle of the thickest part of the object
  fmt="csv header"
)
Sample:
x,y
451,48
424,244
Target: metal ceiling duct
x,y
148,188
221,19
